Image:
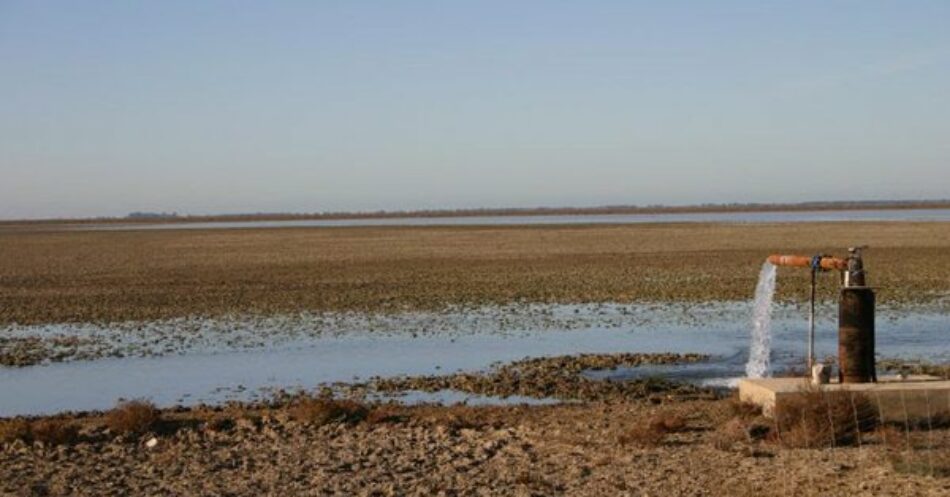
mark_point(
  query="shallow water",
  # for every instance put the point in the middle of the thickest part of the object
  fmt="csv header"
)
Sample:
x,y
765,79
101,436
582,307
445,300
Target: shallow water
x,y
462,341
692,217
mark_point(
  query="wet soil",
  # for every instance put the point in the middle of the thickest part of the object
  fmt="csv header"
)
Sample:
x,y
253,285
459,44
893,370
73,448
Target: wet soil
x,y
561,378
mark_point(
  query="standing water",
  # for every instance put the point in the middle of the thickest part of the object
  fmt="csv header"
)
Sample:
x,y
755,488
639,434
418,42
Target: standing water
x,y
761,348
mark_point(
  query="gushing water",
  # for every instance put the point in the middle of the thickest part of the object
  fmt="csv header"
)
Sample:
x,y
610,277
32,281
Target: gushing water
x,y
761,348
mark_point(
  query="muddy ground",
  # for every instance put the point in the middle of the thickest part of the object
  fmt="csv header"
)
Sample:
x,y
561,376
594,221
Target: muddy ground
x,y
584,450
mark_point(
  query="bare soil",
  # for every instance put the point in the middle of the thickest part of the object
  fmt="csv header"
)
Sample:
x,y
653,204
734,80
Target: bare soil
x,y
582,449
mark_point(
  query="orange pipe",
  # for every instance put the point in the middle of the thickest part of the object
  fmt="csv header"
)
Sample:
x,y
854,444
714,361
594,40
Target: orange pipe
x,y
805,261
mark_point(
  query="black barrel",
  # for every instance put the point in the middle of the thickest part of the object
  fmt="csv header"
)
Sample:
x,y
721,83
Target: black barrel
x,y
856,335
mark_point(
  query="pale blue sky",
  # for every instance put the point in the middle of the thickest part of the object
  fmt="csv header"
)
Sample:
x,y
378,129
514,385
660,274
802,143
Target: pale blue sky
x,y
211,107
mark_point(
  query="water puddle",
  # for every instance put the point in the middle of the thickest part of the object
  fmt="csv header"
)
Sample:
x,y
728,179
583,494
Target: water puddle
x,y
419,344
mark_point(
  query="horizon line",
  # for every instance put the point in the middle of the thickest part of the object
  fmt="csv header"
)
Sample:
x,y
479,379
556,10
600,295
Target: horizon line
x,y
171,217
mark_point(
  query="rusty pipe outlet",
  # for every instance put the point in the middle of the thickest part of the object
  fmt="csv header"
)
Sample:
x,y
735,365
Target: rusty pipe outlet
x,y
827,263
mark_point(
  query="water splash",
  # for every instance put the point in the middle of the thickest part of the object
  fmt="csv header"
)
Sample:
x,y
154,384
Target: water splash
x,y
761,348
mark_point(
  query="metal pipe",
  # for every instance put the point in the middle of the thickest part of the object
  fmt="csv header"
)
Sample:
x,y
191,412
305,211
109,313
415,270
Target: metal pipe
x,y
854,276
811,321
827,263
856,362
856,324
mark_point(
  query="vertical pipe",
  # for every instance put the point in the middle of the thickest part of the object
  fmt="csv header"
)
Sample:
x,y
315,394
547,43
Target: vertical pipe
x,y
811,322
856,335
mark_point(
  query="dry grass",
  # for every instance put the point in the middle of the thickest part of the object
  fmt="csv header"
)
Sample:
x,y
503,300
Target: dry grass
x,y
321,411
730,433
134,417
817,419
915,451
387,413
50,431
55,431
102,276
743,410
15,429
654,431
740,424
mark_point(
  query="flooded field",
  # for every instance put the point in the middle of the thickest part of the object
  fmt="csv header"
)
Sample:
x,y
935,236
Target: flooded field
x,y
210,316
218,360
542,357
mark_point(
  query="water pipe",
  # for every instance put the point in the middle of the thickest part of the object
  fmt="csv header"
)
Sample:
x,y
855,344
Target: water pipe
x,y
827,263
855,313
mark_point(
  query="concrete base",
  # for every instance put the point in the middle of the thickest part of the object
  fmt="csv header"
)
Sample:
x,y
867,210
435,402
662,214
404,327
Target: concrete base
x,y
913,398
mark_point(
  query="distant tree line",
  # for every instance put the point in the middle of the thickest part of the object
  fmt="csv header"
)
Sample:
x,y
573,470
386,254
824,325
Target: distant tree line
x,y
159,217
152,215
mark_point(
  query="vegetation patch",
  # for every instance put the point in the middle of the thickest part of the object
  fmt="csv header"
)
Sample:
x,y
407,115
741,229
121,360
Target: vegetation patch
x,y
560,377
321,411
49,431
653,431
134,417
818,418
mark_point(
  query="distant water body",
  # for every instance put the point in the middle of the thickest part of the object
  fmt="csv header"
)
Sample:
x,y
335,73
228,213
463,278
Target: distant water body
x,y
942,215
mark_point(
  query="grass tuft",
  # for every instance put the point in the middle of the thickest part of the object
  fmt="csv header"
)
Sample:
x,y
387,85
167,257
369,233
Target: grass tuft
x,y
385,414
134,417
744,410
12,430
321,411
817,419
55,431
50,431
654,431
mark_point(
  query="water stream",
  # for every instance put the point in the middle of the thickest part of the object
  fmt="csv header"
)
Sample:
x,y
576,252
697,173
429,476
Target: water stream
x,y
761,348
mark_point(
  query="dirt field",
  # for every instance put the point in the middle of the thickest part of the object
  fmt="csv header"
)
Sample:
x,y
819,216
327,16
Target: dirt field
x,y
108,276
585,450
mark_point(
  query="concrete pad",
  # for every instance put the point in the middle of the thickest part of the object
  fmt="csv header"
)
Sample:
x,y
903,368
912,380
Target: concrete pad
x,y
912,398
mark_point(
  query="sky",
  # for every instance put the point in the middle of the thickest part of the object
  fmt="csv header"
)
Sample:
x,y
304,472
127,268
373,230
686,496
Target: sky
x,y
312,106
